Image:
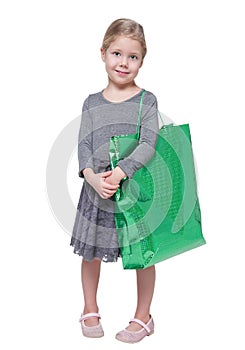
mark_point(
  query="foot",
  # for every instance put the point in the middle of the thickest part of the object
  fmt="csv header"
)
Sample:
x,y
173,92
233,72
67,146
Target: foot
x,y
92,320
94,331
135,327
130,336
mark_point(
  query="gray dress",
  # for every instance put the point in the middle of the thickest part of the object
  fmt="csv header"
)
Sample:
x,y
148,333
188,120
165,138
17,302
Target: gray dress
x,y
94,234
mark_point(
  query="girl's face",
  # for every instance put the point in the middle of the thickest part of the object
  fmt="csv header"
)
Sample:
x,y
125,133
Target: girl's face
x,y
123,59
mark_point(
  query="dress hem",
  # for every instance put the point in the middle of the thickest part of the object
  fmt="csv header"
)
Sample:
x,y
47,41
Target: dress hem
x,y
89,252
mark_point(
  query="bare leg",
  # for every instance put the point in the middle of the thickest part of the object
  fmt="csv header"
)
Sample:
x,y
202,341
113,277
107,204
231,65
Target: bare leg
x,y
145,290
90,280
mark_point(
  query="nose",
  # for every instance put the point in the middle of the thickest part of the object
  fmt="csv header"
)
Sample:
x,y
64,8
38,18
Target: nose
x,y
124,61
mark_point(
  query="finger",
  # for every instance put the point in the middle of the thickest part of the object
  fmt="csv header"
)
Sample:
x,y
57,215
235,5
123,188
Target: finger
x,y
110,181
110,192
108,186
106,173
105,196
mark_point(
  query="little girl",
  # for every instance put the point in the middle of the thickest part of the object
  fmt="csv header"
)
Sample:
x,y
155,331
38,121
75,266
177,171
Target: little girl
x,y
113,111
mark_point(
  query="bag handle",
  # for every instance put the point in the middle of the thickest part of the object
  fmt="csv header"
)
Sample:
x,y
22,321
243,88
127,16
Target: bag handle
x,y
139,115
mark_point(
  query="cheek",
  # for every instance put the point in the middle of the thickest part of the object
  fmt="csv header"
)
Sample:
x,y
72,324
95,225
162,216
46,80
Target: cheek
x,y
112,61
135,66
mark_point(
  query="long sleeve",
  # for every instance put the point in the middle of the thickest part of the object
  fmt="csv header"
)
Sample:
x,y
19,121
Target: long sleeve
x,y
148,138
85,156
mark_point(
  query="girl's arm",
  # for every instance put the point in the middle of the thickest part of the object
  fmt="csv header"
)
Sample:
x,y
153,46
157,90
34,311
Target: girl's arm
x,y
148,138
85,156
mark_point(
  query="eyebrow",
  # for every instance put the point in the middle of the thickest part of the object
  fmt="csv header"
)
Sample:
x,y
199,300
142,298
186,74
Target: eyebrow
x,y
131,53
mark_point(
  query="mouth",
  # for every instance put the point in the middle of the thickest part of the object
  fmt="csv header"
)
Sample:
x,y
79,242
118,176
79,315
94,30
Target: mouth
x,y
121,72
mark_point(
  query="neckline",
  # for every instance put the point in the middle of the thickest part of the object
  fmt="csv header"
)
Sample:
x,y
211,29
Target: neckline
x,y
128,99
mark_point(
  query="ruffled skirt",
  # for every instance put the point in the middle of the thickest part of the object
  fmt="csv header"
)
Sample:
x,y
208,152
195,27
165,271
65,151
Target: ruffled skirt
x,y
94,233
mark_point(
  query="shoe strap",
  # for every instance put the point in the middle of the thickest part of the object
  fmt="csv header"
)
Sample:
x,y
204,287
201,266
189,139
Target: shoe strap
x,y
91,314
141,324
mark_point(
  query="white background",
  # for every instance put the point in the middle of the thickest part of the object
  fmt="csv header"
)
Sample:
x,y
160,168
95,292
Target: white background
x,y
50,62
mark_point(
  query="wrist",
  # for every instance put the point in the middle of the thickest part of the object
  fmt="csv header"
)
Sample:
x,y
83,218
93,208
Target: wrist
x,y
119,173
88,172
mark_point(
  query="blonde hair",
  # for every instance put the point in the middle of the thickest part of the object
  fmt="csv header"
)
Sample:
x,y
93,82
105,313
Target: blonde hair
x,y
127,27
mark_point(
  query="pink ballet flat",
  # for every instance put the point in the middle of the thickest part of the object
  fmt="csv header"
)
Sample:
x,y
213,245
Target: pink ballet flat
x,y
93,331
134,337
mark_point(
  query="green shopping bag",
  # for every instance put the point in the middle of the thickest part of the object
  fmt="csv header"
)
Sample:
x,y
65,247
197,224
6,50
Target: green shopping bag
x,y
157,212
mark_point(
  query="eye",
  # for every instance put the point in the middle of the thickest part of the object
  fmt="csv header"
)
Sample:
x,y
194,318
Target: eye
x,y
133,57
116,53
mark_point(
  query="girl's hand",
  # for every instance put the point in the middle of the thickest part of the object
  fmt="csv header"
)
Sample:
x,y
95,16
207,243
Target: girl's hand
x,y
116,176
99,183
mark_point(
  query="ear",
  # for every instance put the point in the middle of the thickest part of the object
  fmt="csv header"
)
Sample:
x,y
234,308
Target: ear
x,y
142,63
102,51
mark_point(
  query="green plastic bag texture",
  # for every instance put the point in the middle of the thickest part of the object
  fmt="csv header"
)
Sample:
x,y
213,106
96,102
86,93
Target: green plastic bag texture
x,y
157,212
